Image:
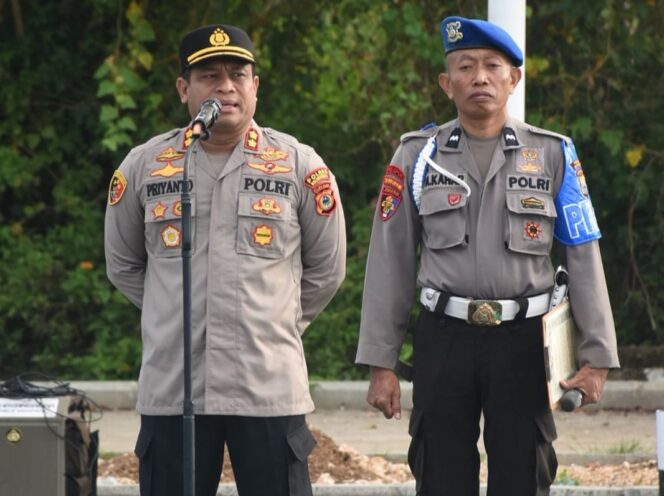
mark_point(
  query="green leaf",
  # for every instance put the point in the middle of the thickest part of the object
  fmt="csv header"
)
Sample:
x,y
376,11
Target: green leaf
x,y
106,88
108,113
125,101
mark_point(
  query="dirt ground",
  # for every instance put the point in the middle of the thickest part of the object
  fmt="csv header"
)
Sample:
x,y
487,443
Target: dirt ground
x,y
330,463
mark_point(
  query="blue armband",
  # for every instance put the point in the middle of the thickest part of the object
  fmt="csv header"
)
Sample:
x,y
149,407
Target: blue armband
x,y
576,222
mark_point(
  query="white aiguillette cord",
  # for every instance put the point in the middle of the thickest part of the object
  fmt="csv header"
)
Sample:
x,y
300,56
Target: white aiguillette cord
x,y
448,175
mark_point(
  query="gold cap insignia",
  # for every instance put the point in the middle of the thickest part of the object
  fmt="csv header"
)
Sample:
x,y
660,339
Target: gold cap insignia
x,y
219,38
454,33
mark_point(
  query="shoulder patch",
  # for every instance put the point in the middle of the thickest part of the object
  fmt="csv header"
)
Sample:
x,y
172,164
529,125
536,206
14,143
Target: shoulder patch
x,y
391,192
117,187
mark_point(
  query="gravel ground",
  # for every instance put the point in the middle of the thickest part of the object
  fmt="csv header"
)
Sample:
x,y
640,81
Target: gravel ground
x,y
334,464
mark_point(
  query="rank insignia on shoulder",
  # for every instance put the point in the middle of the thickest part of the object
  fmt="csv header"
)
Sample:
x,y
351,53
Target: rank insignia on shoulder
x,y
170,235
271,154
251,139
391,192
117,188
325,202
188,138
270,168
263,235
510,137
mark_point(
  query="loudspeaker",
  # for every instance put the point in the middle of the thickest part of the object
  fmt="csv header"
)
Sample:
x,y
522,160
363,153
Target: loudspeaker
x,y
32,446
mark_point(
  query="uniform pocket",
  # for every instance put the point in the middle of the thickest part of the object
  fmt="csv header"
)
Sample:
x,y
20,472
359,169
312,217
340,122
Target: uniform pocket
x,y
301,443
263,225
163,227
443,218
530,221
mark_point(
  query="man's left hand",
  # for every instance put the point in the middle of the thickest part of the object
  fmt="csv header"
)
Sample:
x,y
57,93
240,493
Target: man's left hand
x,y
590,381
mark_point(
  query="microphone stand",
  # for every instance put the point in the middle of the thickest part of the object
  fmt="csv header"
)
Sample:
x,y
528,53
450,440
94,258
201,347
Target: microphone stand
x,y
188,457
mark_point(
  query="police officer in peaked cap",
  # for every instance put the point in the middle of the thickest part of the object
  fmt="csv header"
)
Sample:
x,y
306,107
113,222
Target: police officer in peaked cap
x,y
482,199
268,254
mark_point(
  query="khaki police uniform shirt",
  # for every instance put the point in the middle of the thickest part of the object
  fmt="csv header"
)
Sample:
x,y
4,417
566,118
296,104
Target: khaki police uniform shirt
x,y
494,244
268,253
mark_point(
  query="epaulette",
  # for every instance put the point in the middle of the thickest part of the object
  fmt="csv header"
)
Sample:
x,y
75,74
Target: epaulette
x,y
420,133
546,132
155,140
278,135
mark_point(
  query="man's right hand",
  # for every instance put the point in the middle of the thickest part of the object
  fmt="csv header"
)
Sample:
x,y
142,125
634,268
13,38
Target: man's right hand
x,y
385,392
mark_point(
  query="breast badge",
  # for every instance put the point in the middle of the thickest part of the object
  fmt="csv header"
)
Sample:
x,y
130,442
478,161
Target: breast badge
x,y
529,161
159,211
272,154
117,188
532,230
267,206
263,235
270,168
170,235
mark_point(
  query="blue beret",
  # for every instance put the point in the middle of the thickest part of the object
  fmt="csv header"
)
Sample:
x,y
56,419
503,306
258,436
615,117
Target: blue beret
x,y
460,33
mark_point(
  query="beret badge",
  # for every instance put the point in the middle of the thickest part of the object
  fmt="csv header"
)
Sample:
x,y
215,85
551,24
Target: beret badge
x,y
219,38
454,33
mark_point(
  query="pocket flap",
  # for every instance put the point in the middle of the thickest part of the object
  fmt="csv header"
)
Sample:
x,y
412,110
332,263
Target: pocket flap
x,y
442,199
301,442
527,202
166,209
265,206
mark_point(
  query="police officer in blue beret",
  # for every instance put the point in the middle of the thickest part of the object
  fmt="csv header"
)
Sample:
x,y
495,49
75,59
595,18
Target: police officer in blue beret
x,y
469,211
268,253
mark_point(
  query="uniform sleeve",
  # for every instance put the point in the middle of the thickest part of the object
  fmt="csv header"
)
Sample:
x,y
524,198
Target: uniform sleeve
x,y
577,229
124,238
391,272
323,239
589,298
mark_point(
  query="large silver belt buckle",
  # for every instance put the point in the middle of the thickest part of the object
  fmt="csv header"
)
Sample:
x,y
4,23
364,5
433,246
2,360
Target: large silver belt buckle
x,y
484,313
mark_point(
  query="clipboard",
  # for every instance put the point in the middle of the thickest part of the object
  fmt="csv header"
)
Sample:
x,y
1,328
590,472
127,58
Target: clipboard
x,y
559,337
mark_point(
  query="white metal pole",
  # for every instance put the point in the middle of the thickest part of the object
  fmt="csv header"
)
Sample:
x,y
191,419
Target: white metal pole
x,y
660,450
511,16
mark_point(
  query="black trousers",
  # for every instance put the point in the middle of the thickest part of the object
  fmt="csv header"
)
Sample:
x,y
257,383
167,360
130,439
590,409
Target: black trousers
x,y
462,371
268,454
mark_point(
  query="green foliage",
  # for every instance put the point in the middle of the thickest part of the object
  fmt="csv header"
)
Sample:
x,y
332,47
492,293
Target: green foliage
x,y
83,82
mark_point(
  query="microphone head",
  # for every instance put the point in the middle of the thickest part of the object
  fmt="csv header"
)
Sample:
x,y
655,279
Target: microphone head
x,y
207,115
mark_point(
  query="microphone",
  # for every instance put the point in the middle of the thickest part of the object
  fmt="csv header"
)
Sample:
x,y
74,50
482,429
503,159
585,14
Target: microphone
x,y
206,116
571,400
